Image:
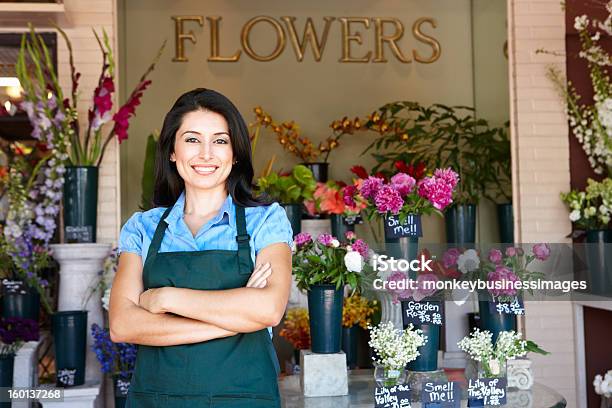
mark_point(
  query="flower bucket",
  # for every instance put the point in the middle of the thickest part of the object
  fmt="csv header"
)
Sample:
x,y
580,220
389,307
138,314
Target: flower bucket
x,y
493,321
599,261
20,300
349,344
428,357
294,213
460,221
80,204
339,227
325,304
319,171
70,339
505,219
7,363
120,389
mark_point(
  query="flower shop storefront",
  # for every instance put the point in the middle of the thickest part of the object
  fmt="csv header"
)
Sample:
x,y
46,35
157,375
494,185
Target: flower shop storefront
x,y
449,193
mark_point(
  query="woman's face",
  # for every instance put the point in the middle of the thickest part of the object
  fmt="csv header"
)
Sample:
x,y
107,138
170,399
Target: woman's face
x,y
203,150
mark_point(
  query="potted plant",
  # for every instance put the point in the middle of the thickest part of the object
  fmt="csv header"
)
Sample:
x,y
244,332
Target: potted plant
x,y
296,331
357,313
393,349
117,359
290,190
590,211
45,104
603,387
14,331
322,268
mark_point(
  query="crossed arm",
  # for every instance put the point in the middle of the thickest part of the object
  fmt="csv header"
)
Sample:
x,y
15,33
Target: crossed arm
x,y
198,315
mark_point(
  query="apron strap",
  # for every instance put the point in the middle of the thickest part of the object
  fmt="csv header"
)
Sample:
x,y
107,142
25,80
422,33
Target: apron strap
x,y
158,237
245,263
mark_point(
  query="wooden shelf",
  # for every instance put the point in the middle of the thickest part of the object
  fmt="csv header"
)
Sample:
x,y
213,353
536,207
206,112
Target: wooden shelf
x,y
17,7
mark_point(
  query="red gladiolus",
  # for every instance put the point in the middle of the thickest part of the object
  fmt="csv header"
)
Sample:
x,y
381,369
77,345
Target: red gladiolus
x,y
122,116
359,171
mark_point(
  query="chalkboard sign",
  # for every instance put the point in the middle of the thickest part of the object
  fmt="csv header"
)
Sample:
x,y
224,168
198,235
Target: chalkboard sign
x,y
441,394
352,219
423,312
515,307
66,376
411,227
397,396
487,392
78,234
14,286
121,388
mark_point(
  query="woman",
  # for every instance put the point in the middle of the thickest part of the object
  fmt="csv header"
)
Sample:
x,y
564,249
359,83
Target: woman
x,y
186,290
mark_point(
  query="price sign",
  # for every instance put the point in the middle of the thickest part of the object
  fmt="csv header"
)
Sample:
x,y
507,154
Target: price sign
x,y
397,396
79,234
13,286
423,312
411,227
487,392
514,307
66,376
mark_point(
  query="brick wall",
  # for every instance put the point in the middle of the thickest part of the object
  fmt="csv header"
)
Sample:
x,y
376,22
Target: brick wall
x,y
540,153
79,18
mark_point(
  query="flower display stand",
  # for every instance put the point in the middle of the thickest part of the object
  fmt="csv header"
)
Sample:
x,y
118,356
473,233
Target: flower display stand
x,y
519,374
25,371
323,375
82,396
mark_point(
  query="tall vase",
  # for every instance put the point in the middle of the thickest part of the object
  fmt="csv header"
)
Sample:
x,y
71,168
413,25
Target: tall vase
x,y
599,261
120,388
349,344
294,213
339,227
428,353
80,203
319,171
325,304
19,300
70,340
493,321
460,223
7,363
80,265
505,218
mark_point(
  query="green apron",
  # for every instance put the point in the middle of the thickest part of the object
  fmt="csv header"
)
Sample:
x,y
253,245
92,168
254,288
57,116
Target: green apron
x,y
236,371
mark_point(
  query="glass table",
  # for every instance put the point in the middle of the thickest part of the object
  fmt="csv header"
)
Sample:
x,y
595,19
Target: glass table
x,y
361,395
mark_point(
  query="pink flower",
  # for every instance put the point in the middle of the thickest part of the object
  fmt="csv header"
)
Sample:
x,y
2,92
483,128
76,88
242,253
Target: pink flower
x,y
388,199
448,175
325,239
514,251
495,256
349,195
403,183
398,277
360,246
302,238
350,235
450,257
437,191
422,292
370,187
541,251
506,275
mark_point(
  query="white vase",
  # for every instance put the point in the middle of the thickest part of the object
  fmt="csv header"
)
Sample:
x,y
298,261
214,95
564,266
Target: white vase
x,y
81,267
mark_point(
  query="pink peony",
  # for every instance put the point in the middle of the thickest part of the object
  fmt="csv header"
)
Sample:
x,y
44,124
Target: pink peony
x,y
495,256
397,277
370,187
503,274
541,251
403,183
450,257
514,251
302,238
325,239
388,199
438,192
422,292
448,175
361,247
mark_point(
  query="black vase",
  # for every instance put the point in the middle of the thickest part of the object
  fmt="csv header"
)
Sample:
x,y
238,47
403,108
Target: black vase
x,y
70,340
80,203
294,213
120,389
339,227
349,344
7,363
319,171
493,321
460,223
325,304
505,220
599,261
20,300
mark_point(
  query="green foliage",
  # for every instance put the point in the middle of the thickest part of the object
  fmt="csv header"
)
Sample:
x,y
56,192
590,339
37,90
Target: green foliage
x,y
294,188
148,172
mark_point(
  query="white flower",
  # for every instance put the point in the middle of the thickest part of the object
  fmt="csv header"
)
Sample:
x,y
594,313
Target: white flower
x,y
581,22
353,261
106,299
495,366
574,215
395,348
468,261
603,386
335,243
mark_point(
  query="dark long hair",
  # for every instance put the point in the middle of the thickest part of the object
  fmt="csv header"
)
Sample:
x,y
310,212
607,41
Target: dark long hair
x,y
168,182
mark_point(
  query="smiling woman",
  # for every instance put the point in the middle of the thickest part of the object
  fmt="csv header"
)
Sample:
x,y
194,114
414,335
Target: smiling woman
x,y
186,282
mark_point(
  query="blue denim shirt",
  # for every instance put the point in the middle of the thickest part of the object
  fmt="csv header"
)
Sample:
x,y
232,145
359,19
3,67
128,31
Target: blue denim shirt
x,y
265,224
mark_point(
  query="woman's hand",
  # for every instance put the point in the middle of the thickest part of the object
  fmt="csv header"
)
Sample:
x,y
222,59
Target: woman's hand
x,y
151,300
260,275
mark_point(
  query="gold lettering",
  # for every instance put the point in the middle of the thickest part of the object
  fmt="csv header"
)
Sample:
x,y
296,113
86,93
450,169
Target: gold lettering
x,y
309,36
391,39
214,42
180,36
280,38
347,37
433,43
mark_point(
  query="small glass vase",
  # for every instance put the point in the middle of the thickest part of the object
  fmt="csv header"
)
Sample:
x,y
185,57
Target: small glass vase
x,y
389,376
493,368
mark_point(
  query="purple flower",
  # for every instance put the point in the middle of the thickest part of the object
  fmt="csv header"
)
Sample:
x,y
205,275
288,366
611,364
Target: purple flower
x,y
505,275
302,238
325,239
541,251
388,199
370,187
450,257
495,256
403,183
361,247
